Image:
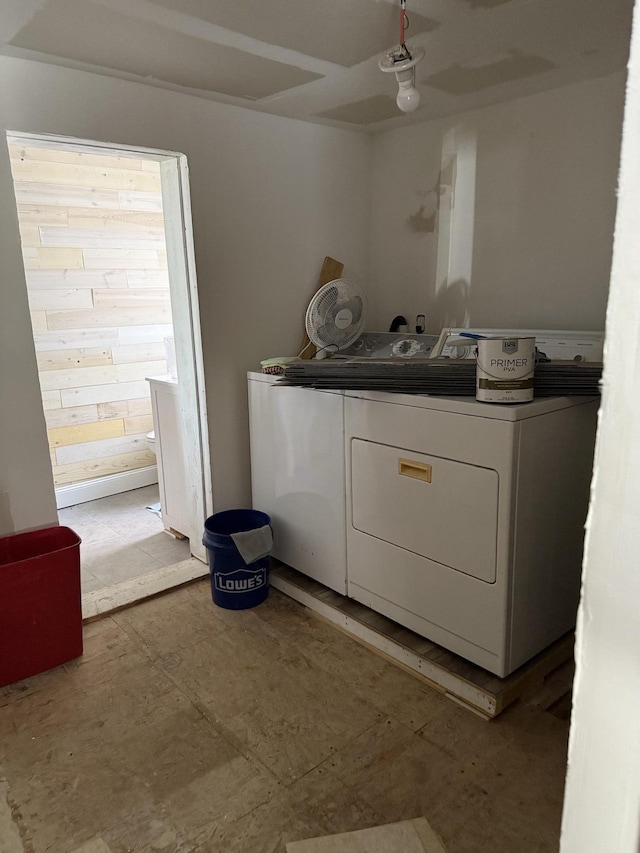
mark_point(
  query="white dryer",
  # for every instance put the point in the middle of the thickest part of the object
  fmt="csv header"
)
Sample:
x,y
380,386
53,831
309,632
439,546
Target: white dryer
x,y
465,519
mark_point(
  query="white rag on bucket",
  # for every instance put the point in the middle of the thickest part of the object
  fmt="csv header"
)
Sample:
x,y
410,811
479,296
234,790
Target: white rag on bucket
x,y
253,544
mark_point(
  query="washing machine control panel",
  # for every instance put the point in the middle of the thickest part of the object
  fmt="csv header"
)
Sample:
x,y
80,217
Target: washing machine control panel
x,y
550,344
391,345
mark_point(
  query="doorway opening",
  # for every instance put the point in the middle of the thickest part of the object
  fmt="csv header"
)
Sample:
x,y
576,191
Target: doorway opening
x,y
110,272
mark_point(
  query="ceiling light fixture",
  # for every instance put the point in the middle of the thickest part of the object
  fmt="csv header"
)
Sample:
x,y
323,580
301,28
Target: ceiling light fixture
x,y
402,63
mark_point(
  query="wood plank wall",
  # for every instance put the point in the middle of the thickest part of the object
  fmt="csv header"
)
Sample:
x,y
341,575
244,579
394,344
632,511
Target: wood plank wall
x,y
95,260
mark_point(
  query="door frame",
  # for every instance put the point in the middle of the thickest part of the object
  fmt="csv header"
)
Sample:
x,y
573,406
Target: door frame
x,y
176,201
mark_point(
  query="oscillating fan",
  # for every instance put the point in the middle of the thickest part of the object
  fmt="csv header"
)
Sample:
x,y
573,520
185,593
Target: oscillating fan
x,y
336,316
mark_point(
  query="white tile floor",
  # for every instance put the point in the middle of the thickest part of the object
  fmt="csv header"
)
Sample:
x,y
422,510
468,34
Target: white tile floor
x,y
121,539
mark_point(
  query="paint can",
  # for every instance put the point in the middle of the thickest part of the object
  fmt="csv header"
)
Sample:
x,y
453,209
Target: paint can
x,y
504,370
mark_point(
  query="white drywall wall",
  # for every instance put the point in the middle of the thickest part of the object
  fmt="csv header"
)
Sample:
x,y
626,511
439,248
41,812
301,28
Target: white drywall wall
x,y
602,800
531,247
270,198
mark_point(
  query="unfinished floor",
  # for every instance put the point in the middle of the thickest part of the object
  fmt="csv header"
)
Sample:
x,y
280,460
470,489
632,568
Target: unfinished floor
x,y
187,728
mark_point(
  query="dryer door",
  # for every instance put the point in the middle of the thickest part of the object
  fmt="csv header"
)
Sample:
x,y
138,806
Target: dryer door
x,y
440,509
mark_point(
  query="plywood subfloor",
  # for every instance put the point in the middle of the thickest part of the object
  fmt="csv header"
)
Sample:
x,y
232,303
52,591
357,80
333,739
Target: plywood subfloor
x,y
189,728
477,689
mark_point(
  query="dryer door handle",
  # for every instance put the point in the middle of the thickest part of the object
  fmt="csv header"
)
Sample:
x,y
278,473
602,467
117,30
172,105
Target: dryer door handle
x,y
416,470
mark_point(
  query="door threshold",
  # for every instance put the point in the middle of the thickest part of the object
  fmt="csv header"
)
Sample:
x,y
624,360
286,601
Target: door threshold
x,y
100,602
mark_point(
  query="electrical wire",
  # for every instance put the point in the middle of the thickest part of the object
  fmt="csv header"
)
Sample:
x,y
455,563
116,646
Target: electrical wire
x,y
337,348
403,21
304,349
403,52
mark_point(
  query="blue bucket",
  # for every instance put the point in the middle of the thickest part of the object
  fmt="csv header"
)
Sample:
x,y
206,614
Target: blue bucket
x,y
235,584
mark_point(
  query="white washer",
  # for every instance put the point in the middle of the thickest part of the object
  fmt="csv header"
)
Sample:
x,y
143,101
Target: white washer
x,y
297,475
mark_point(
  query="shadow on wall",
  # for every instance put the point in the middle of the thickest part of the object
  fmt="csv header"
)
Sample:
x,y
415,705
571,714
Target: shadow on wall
x,y
424,220
450,306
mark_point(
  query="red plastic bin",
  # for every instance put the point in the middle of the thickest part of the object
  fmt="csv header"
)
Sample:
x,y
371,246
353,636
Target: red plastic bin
x,y
40,601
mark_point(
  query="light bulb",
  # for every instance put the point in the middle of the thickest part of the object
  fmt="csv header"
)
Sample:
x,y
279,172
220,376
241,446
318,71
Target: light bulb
x,y
401,63
408,97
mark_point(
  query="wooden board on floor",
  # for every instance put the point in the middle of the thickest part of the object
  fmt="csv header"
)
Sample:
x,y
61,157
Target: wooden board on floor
x,y
99,602
408,836
463,682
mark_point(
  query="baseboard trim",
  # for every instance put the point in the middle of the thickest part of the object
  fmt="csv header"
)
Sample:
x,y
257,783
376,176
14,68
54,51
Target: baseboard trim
x,y
102,487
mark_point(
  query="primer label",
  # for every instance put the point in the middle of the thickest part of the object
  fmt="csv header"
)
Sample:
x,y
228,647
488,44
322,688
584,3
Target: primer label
x,y
504,372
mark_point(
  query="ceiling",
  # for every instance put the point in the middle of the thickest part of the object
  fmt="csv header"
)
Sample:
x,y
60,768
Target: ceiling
x,y
317,60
